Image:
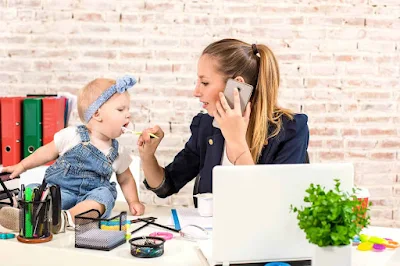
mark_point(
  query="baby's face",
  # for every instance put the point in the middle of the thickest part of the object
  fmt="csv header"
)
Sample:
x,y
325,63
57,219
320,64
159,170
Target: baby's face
x,y
115,114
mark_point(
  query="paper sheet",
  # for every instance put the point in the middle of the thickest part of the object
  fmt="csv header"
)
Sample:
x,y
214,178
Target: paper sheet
x,y
191,216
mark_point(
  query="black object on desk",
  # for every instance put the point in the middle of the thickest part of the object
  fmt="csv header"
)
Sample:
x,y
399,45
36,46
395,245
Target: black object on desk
x,y
89,233
5,193
152,219
160,225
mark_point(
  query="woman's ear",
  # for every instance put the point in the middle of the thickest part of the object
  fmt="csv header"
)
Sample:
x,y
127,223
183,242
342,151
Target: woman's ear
x,y
240,79
96,116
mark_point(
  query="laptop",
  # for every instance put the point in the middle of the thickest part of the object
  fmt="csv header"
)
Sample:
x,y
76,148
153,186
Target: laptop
x,y
252,221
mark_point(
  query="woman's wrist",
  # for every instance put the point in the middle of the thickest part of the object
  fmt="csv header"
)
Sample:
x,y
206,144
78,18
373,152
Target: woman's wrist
x,y
237,148
147,157
242,155
237,151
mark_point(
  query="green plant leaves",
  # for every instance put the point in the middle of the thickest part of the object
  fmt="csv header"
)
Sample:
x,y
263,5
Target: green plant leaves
x,y
332,218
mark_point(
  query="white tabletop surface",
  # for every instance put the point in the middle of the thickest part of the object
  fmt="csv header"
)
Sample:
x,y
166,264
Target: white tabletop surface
x,y
61,250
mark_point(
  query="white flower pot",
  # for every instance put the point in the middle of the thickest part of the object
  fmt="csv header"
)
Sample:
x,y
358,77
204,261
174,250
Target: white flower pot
x,y
332,256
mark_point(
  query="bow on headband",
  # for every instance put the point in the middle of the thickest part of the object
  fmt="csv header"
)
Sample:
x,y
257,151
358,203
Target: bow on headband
x,y
121,85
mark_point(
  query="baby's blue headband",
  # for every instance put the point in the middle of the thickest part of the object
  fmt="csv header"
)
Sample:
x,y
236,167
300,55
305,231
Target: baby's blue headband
x,y
121,85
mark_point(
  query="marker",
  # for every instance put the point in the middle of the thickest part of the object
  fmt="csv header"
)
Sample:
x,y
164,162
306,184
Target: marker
x,y
28,214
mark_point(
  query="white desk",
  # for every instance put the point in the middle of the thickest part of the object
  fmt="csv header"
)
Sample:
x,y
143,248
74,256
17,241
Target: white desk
x,y
61,250
385,258
178,252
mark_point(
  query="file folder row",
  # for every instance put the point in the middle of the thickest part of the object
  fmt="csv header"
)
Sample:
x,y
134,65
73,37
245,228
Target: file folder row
x,y
28,123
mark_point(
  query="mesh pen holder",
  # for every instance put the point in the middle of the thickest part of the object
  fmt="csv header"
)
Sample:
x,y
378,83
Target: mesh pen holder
x,y
34,221
93,232
147,246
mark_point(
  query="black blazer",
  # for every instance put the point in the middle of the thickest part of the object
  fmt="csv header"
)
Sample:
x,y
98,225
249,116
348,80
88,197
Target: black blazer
x,y
204,150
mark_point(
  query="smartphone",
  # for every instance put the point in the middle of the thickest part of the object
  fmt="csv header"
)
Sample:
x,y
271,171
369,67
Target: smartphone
x,y
245,91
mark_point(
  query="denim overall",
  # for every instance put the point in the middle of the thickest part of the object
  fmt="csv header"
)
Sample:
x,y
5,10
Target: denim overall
x,y
83,173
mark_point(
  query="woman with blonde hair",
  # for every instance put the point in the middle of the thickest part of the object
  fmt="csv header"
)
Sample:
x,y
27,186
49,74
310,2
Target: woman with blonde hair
x,y
264,134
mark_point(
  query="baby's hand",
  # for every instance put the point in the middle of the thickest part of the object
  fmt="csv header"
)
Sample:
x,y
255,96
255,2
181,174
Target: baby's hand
x,y
136,208
15,170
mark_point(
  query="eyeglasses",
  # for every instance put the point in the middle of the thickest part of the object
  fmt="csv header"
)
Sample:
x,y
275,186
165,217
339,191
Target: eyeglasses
x,y
194,232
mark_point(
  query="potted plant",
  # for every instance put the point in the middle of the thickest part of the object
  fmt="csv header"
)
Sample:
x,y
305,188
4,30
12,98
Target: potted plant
x,y
330,220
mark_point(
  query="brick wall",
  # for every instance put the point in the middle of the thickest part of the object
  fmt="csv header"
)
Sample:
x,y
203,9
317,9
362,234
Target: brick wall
x,y
339,61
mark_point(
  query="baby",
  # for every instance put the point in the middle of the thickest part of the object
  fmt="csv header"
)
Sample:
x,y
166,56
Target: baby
x,y
87,155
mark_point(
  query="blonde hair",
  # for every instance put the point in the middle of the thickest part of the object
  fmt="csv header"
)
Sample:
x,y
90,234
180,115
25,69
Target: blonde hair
x,y
236,58
88,94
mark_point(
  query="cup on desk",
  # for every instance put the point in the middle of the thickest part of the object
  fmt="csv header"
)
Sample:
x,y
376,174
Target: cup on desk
x,y
363,195
205,204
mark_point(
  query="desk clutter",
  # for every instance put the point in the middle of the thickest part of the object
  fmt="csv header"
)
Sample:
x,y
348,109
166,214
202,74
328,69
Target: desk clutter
x,y
7,235
147,246
374,243
39,213
93,232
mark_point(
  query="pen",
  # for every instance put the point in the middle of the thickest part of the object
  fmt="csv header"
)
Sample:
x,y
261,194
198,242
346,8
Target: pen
x,y
28,213
159,225
22,192
39,212
35,197
42,187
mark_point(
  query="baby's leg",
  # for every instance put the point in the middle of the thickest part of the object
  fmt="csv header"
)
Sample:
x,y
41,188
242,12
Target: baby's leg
x,y
84,206
101,199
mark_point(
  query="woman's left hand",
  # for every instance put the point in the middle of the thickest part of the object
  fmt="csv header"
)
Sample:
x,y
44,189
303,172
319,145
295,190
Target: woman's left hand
x,y
232,122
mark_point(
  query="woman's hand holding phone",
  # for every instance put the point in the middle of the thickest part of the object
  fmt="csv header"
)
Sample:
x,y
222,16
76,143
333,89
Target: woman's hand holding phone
x,y
233,123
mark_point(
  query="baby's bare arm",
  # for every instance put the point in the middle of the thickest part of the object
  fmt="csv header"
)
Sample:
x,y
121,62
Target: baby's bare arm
x,y
41,156
128,186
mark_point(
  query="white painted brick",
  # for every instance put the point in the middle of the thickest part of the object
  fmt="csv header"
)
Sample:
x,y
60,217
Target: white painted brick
x,y
378,47
342,46
347,34
24,3
47,15
9,78
8,14
131,67
25,15
59,5
97,5
338,61
102,29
